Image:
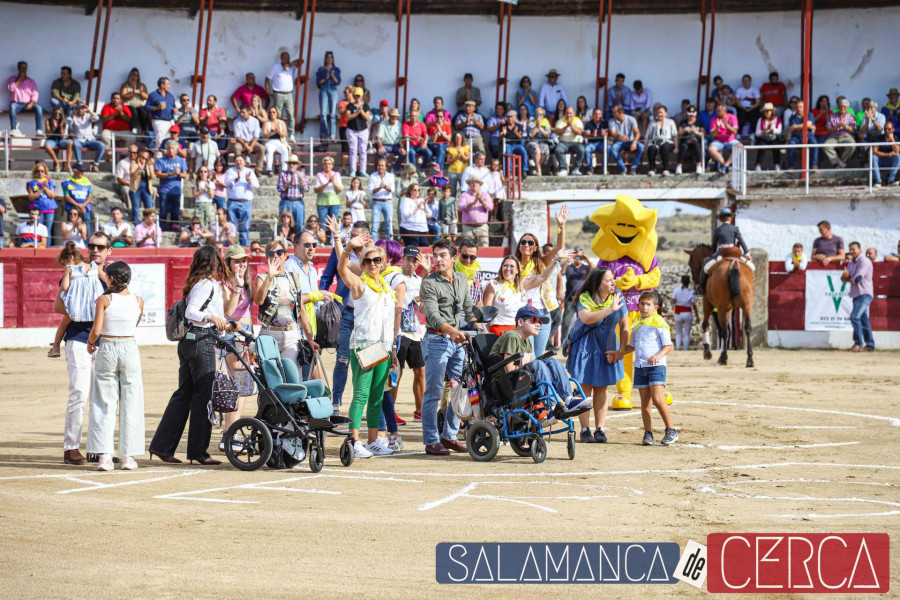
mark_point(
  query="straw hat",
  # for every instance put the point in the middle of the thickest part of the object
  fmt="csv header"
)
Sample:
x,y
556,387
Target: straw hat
x,y
553,73
768,106
295,159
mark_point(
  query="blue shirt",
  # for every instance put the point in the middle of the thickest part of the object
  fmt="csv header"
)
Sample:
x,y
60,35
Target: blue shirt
x,y
706,118
170,185
78,189
647,340
328,84
492,121
797,120
166,114
44,203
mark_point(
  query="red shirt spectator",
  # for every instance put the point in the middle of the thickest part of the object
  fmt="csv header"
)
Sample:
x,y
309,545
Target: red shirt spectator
x,y
213,117
773,91
445,127
414,128
117,123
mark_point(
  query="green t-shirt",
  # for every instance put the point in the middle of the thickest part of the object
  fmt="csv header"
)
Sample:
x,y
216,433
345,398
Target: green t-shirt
x,y
511,343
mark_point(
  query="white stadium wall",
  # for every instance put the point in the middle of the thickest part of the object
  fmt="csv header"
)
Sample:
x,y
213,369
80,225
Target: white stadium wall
x,y
852,50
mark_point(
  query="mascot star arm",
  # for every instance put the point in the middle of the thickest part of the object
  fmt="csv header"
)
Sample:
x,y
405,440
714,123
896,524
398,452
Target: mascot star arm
x,y
649,280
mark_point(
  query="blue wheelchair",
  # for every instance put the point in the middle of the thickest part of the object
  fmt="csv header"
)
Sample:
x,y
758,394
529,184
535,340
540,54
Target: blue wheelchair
x,y
292,418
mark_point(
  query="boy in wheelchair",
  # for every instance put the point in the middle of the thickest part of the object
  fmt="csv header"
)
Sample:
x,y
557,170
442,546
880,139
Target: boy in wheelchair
x,y
546,368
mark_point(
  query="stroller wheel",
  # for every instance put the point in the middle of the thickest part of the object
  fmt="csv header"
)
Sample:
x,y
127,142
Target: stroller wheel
x,y
316,460
521,445
570,445
253,437
347,455
483,441
538,449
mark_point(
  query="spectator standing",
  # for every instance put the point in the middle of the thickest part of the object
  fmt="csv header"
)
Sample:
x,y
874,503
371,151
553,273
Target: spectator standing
x,y
569,129
23,97
886,156
280,87
690,134
161,106
798,121
685,306
641,104
619,94
247,132
626,136
471,123
358,115
274,131
79,362
118,229
891,110
65,92
660,136
141,183
328,78
552,92
116,118
204,188
360,82
457,161
381,188
595,131
204,152
81,128
42,195
858,273
773,92
170,169
827,247
723,131
468,93
215,120
796,260
187,119
77,191
475,206
526,95
356,202
240,182
292,185
134,95
328,188
768,133
840,127
748,103
243,96
413,217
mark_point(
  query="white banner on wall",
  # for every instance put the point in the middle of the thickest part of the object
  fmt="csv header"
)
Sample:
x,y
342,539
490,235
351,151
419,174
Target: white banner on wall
x,y
149,282
828,302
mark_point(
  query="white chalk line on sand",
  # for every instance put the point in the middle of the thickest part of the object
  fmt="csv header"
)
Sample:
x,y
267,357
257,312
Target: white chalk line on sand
x,y
786,446
892,420
711,490
466,492
815,427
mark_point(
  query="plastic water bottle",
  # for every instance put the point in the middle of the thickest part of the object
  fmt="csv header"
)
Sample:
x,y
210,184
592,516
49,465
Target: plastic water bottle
x,y
394,378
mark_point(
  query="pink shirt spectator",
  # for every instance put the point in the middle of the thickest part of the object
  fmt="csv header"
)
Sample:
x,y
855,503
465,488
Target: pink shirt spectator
x,y
243,306
860,270
244,95
846,123
417,129
431,116
153,234
322,179
718,129
24,92
476,214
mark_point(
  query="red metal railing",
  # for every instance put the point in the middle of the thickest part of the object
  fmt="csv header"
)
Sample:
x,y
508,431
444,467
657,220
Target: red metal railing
x,y
503,63
98,72
512,165
198,77
402,8
305,64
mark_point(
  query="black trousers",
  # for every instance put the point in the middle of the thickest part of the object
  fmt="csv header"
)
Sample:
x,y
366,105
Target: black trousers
x,y
140,118
761,154
196,371
664,151
689,147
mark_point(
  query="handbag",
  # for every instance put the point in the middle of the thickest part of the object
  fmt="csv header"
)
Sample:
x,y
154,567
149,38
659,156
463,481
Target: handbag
x,y
244,382
176,323
224,393
372,356
304,353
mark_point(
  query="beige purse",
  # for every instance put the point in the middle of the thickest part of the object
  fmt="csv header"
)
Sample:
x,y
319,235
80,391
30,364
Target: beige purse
x,y
372,356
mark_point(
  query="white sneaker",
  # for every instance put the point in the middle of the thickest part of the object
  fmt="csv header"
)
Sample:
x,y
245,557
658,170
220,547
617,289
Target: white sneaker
x,y
877,185
377,449
16,133
563,173
105,463
361,451
757,168
396,443
129,464
293,139
678,169
777,167
666,173
699,169
531,163
651,173
40,133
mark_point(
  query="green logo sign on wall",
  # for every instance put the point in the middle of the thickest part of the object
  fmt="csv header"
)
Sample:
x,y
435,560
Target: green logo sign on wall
x,y
836,296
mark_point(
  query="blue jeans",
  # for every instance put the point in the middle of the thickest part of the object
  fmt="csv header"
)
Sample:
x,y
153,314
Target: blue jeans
x,y
553,372
16,107
417,151
47,220
885,162
221,202
646,377
813,152
297,209
518,148
590,150
66,108
388,419
57,144
328,101
439,151
95,145
140,197
442,357
616,149
434,228
381,211
323,211
239,214
859,317
169,209
342,362
541,340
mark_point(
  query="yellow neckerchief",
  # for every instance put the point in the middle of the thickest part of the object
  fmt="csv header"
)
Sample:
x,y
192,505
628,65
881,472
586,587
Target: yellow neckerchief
x,y
653,320
81,180
527,268
391,270
511,286
890,106
797,257
588,302
379,286
469,272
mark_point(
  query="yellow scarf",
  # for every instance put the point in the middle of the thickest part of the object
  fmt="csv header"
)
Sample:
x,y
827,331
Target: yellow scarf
x,y
469,272
510,286
527,269
653,320
380,286
588,302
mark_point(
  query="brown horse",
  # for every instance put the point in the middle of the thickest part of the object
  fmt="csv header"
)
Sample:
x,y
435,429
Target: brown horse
x,y
729,287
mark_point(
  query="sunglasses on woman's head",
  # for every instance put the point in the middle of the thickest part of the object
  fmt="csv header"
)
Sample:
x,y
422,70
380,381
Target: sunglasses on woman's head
x,y
468,256
527,243
97,247
271,253
372,261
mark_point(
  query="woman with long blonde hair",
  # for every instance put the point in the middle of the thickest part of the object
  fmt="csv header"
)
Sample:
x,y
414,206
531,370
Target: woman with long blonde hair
x,y
508,292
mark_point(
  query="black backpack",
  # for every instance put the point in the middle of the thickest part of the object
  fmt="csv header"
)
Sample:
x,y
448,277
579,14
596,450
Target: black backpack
x,y
328,324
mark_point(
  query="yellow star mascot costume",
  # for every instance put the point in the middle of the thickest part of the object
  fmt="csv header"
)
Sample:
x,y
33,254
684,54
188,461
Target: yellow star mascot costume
x,y
626,244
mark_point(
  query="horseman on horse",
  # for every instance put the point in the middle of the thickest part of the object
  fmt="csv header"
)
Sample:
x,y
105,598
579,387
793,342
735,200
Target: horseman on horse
x,y
726,235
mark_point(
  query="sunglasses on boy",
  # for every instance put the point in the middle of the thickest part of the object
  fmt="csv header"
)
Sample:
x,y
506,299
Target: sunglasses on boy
x,y
271,253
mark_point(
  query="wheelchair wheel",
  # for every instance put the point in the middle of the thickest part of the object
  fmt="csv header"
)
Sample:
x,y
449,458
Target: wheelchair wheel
x,y
254,438
521,445
483,441
538,449
347,455
316,461
570,445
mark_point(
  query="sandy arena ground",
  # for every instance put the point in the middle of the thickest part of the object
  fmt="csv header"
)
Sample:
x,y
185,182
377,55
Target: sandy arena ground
x,y
805,442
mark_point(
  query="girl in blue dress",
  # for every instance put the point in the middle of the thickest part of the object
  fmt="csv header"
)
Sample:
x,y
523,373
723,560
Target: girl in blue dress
x,y
593,341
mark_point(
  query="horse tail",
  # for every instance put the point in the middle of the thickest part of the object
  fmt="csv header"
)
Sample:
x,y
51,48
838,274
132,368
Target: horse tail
x,y
734,282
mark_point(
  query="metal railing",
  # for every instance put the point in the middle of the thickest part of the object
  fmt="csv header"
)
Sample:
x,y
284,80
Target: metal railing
x,y
740,171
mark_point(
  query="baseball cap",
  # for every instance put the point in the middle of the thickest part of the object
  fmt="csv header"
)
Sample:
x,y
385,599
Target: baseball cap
x,y
385,103
529,312
692,110
174,129
411,252
358,92
472,102
235,252
78,167
204,130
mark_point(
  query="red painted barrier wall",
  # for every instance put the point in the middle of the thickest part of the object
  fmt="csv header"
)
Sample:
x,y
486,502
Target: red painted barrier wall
x,y
31,278
787,295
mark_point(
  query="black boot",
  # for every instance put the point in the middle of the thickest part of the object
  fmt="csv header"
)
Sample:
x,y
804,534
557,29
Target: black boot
x,y
560,411
701,287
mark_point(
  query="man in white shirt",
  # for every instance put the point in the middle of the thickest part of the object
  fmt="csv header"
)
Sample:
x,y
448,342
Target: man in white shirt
x,y
301,262
748,104
280,87
246,137
123,175
240,182
32,233
207,150
81,130
119,230
551,93
381,188
476,170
